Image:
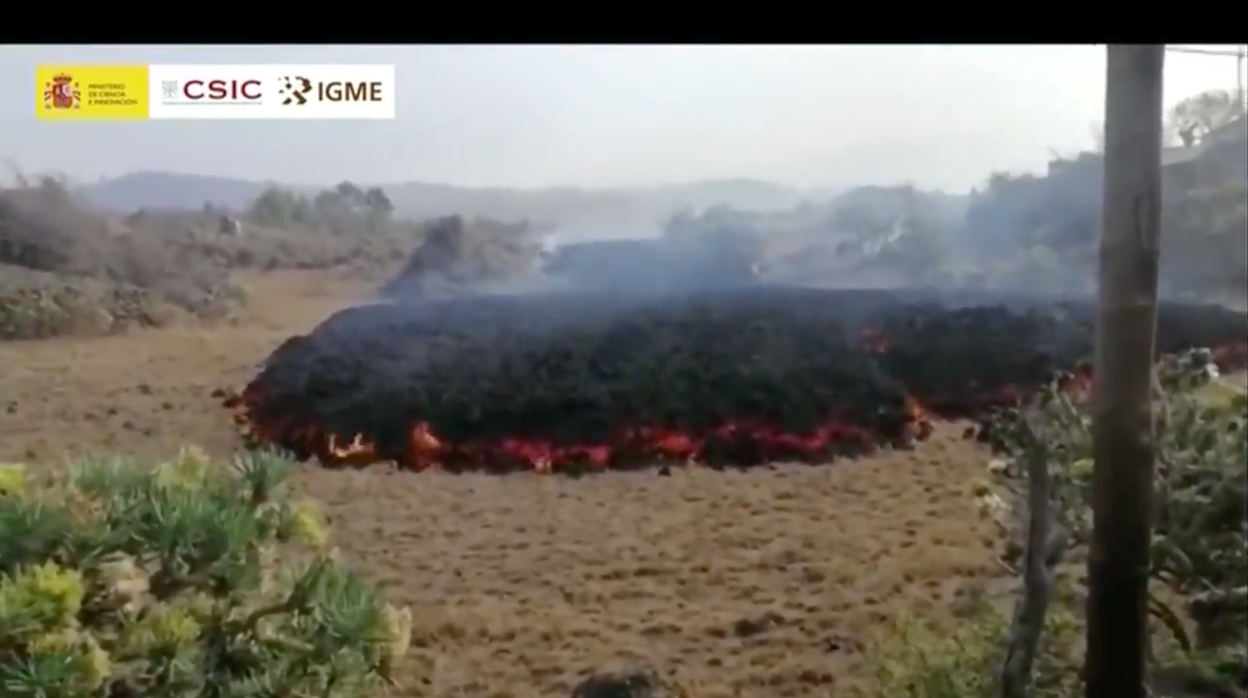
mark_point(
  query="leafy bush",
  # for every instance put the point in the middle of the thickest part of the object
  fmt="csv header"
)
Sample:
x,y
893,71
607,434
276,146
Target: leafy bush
x,y
182,580
1200,533
1198,601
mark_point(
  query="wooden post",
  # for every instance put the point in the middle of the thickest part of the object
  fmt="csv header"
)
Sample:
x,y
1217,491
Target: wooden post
x,y
1122,426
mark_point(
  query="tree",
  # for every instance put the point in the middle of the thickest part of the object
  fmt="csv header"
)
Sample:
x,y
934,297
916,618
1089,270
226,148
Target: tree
x,y
274,208
343,209
1195,117
378,211
349,193
377,201
1122,427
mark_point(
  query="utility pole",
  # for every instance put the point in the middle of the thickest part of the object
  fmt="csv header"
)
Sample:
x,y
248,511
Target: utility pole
x,y
1122,428
1241,96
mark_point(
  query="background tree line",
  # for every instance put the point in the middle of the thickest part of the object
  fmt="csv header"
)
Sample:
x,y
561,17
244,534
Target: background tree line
x,y
343,209
1033,231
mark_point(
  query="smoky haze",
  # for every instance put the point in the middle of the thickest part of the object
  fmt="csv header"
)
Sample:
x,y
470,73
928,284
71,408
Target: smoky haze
x,y
462,257
611,141
530,117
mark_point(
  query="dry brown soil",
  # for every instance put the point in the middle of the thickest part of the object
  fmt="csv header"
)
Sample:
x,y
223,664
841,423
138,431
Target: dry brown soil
x,y
768,583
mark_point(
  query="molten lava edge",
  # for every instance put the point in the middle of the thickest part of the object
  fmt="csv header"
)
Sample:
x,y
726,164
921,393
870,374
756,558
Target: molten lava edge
x,y
732,378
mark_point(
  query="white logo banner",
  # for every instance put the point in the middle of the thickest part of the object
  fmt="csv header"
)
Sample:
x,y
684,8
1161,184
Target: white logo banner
x,y
272,91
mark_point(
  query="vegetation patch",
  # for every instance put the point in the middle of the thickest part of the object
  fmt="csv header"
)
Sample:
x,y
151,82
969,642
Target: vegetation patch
x,y
65,269
1198,601
187,579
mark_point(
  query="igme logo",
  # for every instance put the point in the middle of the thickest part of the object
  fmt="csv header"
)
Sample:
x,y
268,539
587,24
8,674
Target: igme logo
x,y
299,90
295,90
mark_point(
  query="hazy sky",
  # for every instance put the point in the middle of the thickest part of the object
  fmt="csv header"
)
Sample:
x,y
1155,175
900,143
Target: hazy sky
x,y
531,116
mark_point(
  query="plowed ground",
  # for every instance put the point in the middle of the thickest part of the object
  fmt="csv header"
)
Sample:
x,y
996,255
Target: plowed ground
x,y
767,583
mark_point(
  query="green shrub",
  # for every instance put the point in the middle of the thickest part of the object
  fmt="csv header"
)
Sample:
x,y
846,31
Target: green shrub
x,y
913,659
1200,500
182,580
916,660
1198,602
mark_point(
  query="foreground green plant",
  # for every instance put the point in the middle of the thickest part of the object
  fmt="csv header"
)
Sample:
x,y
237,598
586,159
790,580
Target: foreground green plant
x,y
1198,601
916,660
1200,533
183,580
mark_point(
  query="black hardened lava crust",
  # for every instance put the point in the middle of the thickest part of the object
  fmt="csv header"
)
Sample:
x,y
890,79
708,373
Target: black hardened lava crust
x,y
574,369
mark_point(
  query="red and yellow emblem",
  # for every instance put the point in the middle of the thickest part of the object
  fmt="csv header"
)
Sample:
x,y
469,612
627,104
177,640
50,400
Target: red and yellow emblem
x,y
61,92
91,92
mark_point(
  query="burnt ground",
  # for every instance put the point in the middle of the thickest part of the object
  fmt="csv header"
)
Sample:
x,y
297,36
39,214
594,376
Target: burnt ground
x,y
760,583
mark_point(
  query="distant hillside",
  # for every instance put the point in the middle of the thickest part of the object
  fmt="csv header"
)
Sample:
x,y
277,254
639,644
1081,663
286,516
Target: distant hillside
x,y
1042,231
587,212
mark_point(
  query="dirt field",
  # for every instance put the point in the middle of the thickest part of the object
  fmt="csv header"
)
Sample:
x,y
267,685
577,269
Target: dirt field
x,y
761,584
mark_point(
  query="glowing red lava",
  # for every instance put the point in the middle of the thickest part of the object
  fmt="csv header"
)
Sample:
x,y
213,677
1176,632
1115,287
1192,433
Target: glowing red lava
x,y
739,442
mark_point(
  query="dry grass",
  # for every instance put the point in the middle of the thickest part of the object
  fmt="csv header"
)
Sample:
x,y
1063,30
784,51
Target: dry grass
x,y
768,583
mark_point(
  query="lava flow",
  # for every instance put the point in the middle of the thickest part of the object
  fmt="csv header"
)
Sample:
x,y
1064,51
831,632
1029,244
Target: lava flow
x,y
555,384
734,443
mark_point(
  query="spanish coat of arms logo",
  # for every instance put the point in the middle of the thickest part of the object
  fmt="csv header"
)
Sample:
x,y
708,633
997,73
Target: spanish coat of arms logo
x,y
61,93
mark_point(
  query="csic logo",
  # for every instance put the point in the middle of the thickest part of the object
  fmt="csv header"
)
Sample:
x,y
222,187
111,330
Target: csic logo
x,y
298,90
212,91
61,93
